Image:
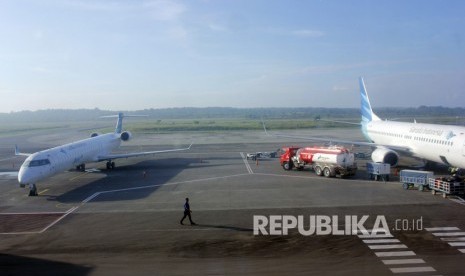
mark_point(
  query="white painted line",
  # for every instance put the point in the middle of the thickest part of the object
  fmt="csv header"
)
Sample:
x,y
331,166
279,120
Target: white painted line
x,y
19,233
244,158
395,253
412,269
453,239
457,200
90,197
34,213
449,234
59,219
40,213
375,236
403,261
442,229
462,250
457,243
387,246
381,241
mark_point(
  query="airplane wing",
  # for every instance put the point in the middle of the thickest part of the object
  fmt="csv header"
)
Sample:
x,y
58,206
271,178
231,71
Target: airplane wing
x,y
135,154
340,141
340,122
18,153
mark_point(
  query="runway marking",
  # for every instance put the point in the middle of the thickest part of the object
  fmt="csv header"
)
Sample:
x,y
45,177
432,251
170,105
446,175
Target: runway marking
x,y
369,236
244,158
441,229
387,246
43,191
395,253
393,244
382,241
454,239
449,234
457,243
403,261
412,269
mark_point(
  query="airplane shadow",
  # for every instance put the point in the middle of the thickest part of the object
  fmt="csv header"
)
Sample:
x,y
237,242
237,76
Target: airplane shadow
x,y
20,265
129,182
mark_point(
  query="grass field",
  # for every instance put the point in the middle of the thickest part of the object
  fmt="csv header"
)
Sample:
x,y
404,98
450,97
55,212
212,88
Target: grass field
x,y
149,125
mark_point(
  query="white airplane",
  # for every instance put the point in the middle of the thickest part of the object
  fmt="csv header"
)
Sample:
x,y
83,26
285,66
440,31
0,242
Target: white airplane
x,y
444,144
43,164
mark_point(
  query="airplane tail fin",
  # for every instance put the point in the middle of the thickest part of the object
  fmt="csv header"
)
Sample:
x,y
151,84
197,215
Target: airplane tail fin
x,y
119,123
366,111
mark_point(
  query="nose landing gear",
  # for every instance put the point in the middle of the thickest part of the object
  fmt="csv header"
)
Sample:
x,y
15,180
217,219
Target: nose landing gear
x,y
33,190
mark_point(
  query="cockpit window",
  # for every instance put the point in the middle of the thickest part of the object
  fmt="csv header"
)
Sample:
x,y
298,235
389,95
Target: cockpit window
x,y
37,163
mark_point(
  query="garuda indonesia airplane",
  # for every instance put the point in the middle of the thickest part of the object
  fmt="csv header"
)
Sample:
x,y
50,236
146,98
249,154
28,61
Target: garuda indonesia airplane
x,y
444,144
43,164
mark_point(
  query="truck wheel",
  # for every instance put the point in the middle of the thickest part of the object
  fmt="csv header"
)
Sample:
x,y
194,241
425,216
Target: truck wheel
x,y
286,166
405,186
327,172
318,171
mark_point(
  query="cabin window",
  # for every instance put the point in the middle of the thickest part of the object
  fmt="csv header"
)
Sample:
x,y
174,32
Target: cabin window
x,y
37,163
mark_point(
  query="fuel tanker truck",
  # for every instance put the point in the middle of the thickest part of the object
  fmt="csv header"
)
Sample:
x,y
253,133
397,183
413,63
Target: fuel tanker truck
x,y
328,161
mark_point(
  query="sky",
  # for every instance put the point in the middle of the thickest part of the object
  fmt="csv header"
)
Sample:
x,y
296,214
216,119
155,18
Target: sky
x,y
130,55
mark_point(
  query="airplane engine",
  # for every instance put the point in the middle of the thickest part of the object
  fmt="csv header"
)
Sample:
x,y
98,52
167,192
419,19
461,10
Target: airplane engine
x,y
126,136
384,155
95,134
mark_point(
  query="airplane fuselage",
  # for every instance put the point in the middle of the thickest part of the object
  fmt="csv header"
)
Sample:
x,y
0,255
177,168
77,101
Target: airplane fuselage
x,y
439,143
48,162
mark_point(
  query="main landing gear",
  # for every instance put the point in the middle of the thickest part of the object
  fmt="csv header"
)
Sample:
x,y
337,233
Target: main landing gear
x,y
81,167
110,165
33,190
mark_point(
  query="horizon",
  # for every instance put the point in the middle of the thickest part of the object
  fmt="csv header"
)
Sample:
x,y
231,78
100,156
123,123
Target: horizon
x,y
120,55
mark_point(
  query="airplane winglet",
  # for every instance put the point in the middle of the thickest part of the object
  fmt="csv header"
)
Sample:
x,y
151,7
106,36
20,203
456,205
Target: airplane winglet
x,y
18,153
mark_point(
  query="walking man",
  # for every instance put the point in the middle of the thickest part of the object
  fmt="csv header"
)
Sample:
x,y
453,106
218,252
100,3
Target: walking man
x,y
187,212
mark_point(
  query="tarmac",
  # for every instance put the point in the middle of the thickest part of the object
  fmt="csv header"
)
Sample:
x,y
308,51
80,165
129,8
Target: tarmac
x,y
126,221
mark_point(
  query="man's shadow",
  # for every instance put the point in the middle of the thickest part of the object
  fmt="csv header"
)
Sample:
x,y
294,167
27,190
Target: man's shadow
x,y
226,227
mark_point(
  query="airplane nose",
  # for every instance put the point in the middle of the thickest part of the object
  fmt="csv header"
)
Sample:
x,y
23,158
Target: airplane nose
x,y
24,177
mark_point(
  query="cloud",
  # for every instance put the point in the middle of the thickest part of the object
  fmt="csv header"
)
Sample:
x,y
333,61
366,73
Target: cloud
x,y
162,10
165,10
177,32
340,88
39,69
217,27
106,6
307,33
